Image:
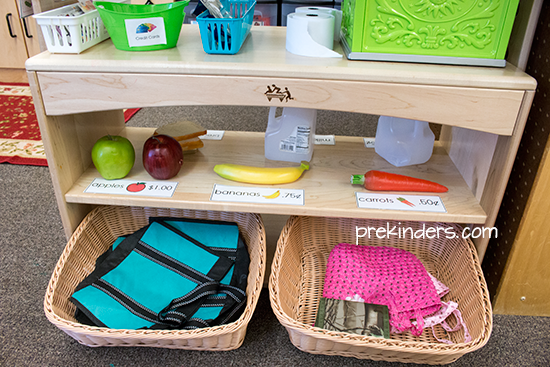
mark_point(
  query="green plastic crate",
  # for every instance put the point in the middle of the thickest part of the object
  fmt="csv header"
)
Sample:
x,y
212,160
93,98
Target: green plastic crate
x,y
464,32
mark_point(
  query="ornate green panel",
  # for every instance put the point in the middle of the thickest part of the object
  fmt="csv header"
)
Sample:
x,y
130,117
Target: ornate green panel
x,y
454,28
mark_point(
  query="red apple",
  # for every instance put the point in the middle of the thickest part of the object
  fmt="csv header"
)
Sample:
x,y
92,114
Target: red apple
x,y
162,157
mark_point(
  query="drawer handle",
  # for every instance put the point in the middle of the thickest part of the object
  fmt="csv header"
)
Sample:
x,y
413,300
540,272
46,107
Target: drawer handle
x,y
26,29
8,16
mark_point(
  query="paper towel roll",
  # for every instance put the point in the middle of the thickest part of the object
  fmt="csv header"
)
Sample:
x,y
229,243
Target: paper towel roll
x,y
310,34
320,9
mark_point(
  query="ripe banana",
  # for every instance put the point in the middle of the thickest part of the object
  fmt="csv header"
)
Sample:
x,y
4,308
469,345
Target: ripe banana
x,y
260,175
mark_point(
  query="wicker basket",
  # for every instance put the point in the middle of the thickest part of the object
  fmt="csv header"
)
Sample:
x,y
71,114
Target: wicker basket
x,y
297,280
98,231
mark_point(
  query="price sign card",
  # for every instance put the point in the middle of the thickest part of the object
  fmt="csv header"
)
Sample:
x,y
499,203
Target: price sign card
x,y
369,142
325,140
163,189
213,135
417,203
258,195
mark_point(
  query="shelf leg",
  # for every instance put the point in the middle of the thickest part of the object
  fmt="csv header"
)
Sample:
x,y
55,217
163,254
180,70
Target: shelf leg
x,y
485,161
68,141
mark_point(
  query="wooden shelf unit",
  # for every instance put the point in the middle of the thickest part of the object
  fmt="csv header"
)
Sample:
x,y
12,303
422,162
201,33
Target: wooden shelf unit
x,y
80,98
326,185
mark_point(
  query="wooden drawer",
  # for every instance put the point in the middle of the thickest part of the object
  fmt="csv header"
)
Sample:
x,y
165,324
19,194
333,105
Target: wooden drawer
x,y
489,110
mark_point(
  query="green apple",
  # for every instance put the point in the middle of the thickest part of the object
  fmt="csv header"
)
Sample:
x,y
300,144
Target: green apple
x,y
113,156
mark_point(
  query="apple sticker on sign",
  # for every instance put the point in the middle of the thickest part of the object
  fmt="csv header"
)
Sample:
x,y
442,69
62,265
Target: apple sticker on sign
x,y
136,187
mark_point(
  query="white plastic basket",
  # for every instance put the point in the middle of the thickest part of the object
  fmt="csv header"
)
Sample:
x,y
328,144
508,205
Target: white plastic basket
x,y
71,34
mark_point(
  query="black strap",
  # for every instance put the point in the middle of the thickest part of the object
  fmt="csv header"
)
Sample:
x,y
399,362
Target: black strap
x,y
181,309
113,258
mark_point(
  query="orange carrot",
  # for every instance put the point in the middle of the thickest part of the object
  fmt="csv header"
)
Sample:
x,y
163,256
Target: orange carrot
x,y
384,181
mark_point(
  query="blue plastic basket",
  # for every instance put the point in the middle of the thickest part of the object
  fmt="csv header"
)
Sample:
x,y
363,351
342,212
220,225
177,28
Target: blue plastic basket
x,y
226,35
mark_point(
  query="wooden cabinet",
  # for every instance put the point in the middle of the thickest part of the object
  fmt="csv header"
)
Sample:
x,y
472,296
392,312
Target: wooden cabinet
x,y
19,37
33,37
12,37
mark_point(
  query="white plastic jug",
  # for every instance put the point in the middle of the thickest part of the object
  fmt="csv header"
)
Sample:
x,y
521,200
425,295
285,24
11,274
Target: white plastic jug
x,y
403,142
291,136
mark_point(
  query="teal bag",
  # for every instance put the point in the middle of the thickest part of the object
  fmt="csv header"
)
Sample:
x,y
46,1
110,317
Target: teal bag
x,y
225,240
176,273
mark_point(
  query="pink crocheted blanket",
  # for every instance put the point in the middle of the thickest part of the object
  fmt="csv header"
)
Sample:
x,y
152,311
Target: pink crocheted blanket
x,y
383,275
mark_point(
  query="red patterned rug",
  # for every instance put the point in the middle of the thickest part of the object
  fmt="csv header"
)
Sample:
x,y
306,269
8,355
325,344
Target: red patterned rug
x,y
20,140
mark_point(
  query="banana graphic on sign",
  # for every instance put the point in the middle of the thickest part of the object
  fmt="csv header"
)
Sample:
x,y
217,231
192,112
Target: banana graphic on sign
x,y
273,196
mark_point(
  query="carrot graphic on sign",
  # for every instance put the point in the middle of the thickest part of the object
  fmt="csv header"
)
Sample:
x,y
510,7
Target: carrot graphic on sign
x,y
405,201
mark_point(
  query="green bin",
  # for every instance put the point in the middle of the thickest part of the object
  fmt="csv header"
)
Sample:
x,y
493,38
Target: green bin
x,y
142,27
464,32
